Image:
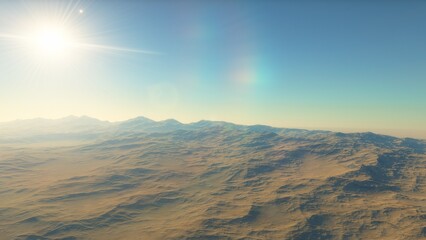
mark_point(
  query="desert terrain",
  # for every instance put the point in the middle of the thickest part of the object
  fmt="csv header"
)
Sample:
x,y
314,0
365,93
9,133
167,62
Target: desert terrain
x,y
81,178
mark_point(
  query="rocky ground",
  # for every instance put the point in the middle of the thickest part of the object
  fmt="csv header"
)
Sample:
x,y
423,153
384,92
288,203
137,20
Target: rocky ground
x,y
141,179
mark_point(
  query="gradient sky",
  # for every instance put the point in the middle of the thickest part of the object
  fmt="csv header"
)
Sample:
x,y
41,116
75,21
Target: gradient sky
x,y
340,65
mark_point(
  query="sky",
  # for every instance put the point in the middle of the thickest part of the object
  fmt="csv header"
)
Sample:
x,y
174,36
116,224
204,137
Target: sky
x,y
336,65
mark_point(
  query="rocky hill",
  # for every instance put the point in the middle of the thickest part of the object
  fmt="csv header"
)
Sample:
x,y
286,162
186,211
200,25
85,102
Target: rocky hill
x,y
141,179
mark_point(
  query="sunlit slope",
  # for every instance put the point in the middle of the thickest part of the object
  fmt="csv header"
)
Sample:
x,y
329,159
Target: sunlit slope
x,y
142,179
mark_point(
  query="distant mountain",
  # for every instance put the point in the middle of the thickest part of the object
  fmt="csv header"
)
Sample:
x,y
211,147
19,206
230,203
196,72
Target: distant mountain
x,y
85,128
72,125
47,130
63,125
143,179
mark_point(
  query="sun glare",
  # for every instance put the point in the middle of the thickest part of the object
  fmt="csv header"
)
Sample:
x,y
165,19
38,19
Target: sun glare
x,y
52,41
56,37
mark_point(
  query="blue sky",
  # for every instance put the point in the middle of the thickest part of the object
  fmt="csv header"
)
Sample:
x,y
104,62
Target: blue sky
x,y
348,65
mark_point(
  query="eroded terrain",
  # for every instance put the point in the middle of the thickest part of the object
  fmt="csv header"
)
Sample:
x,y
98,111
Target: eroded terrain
x,y
141,179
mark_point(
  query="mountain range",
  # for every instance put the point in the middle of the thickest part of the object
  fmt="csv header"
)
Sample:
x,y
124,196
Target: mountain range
x,y
81,178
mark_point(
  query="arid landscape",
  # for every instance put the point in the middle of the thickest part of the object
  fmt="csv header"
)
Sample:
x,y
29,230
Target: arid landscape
x,y
81,178
212,120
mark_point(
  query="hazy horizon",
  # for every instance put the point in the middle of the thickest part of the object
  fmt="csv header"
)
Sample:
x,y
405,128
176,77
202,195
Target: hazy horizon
x,y
391,132
353,66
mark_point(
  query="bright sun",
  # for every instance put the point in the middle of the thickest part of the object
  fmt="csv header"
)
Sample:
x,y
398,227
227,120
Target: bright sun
x,y
51,40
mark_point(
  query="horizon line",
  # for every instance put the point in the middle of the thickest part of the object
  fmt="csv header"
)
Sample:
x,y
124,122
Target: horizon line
x,y
326,129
